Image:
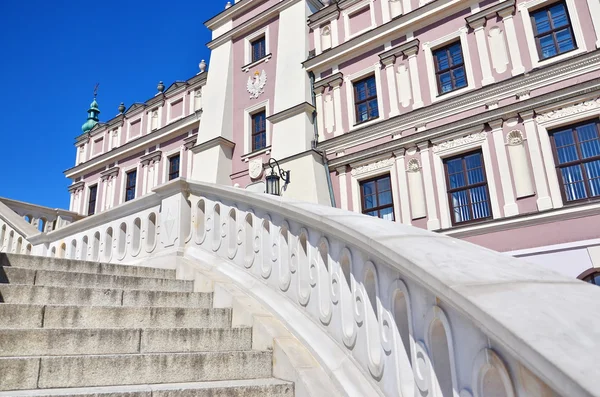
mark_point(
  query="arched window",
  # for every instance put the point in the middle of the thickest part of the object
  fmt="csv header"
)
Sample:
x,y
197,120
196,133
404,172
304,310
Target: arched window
x,y
591,276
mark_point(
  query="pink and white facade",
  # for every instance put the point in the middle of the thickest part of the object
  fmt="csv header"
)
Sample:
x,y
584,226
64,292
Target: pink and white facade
x,y
476,119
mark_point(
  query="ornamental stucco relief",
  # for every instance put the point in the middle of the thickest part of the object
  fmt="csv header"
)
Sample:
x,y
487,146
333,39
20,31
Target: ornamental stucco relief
x,y
453,143
255,168
373,166
568,111
256,84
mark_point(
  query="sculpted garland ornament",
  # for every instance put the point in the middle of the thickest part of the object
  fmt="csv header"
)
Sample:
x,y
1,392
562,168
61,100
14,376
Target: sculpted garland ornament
x,y
256,84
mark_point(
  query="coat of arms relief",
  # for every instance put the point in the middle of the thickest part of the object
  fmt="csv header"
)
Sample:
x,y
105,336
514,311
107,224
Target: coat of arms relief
x,y
256,84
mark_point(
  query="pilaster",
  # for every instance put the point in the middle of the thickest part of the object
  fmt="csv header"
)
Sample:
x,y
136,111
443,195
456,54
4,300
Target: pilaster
x,y
594,6
414,77
544,202
484,56
512,41
403,186
433,222
391,82
510,206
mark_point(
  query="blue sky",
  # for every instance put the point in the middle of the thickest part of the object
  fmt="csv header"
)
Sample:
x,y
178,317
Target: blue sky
x,y
52,53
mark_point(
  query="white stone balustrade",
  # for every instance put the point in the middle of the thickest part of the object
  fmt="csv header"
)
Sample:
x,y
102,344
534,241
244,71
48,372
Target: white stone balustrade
x,y
382,306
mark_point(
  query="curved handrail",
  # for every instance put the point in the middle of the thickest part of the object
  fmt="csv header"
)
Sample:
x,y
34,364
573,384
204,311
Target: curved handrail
x,y
538,319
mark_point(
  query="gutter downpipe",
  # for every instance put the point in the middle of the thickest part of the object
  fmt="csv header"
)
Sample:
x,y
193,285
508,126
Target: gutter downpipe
x,y
316,140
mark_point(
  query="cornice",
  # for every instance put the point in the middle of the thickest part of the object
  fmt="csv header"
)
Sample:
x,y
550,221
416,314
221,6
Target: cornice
x,y
250,24
329,81
151,157
130,146
470,100
325,14
398,51
190,141
472,123
376,37
303,107
486,13
76,186
231,12
218,141
109,173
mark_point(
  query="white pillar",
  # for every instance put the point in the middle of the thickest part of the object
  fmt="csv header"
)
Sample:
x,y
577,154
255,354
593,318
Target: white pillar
x,y
513,42
440,181
145,178
320,110
335,38
510,206
104,183
395,194
385,10
337,107
548,156
71,203
414,77
343,187
391,81
484,57
433,222
317,39
544,202
403,186
594,6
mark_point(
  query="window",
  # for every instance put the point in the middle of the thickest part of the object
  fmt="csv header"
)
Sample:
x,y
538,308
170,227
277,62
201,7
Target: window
x,y
591,276
577,157
376,197
365,100
468,193
449,68
92,200
258,49
174,167
552,30
131,177
259,131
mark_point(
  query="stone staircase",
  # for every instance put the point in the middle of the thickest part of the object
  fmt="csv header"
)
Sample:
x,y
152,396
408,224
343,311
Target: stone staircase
x,y
74,328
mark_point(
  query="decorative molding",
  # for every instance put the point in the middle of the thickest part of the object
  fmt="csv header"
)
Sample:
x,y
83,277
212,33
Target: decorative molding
x,y
514,138
303,107
413,166
76,187
255,168
334,80
454,143
504,7
404,49
382,164
190,141
568,111
151,158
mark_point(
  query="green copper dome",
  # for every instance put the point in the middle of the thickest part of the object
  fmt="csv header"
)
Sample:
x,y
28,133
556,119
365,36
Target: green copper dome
x,y
92,119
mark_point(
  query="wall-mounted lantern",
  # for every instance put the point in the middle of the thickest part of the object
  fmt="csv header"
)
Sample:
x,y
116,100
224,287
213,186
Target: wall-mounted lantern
x,y
273,180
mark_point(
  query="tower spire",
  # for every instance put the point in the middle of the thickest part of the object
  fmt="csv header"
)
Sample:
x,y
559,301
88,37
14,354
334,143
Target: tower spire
x,y
93,113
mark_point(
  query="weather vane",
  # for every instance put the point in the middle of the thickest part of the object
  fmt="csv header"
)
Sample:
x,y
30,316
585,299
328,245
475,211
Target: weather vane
x,y
96,90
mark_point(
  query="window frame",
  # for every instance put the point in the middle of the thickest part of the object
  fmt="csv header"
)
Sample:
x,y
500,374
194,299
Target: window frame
x,y
450,69
128,187
357,103
450,190
552,31
529,7
92,210
378,208
170,167
254,133
580,162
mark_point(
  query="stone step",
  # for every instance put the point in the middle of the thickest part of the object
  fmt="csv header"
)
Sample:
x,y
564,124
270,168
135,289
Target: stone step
x,y
269,387
131,369
134,317
69,265
56,316
39,295
15,275
61,342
